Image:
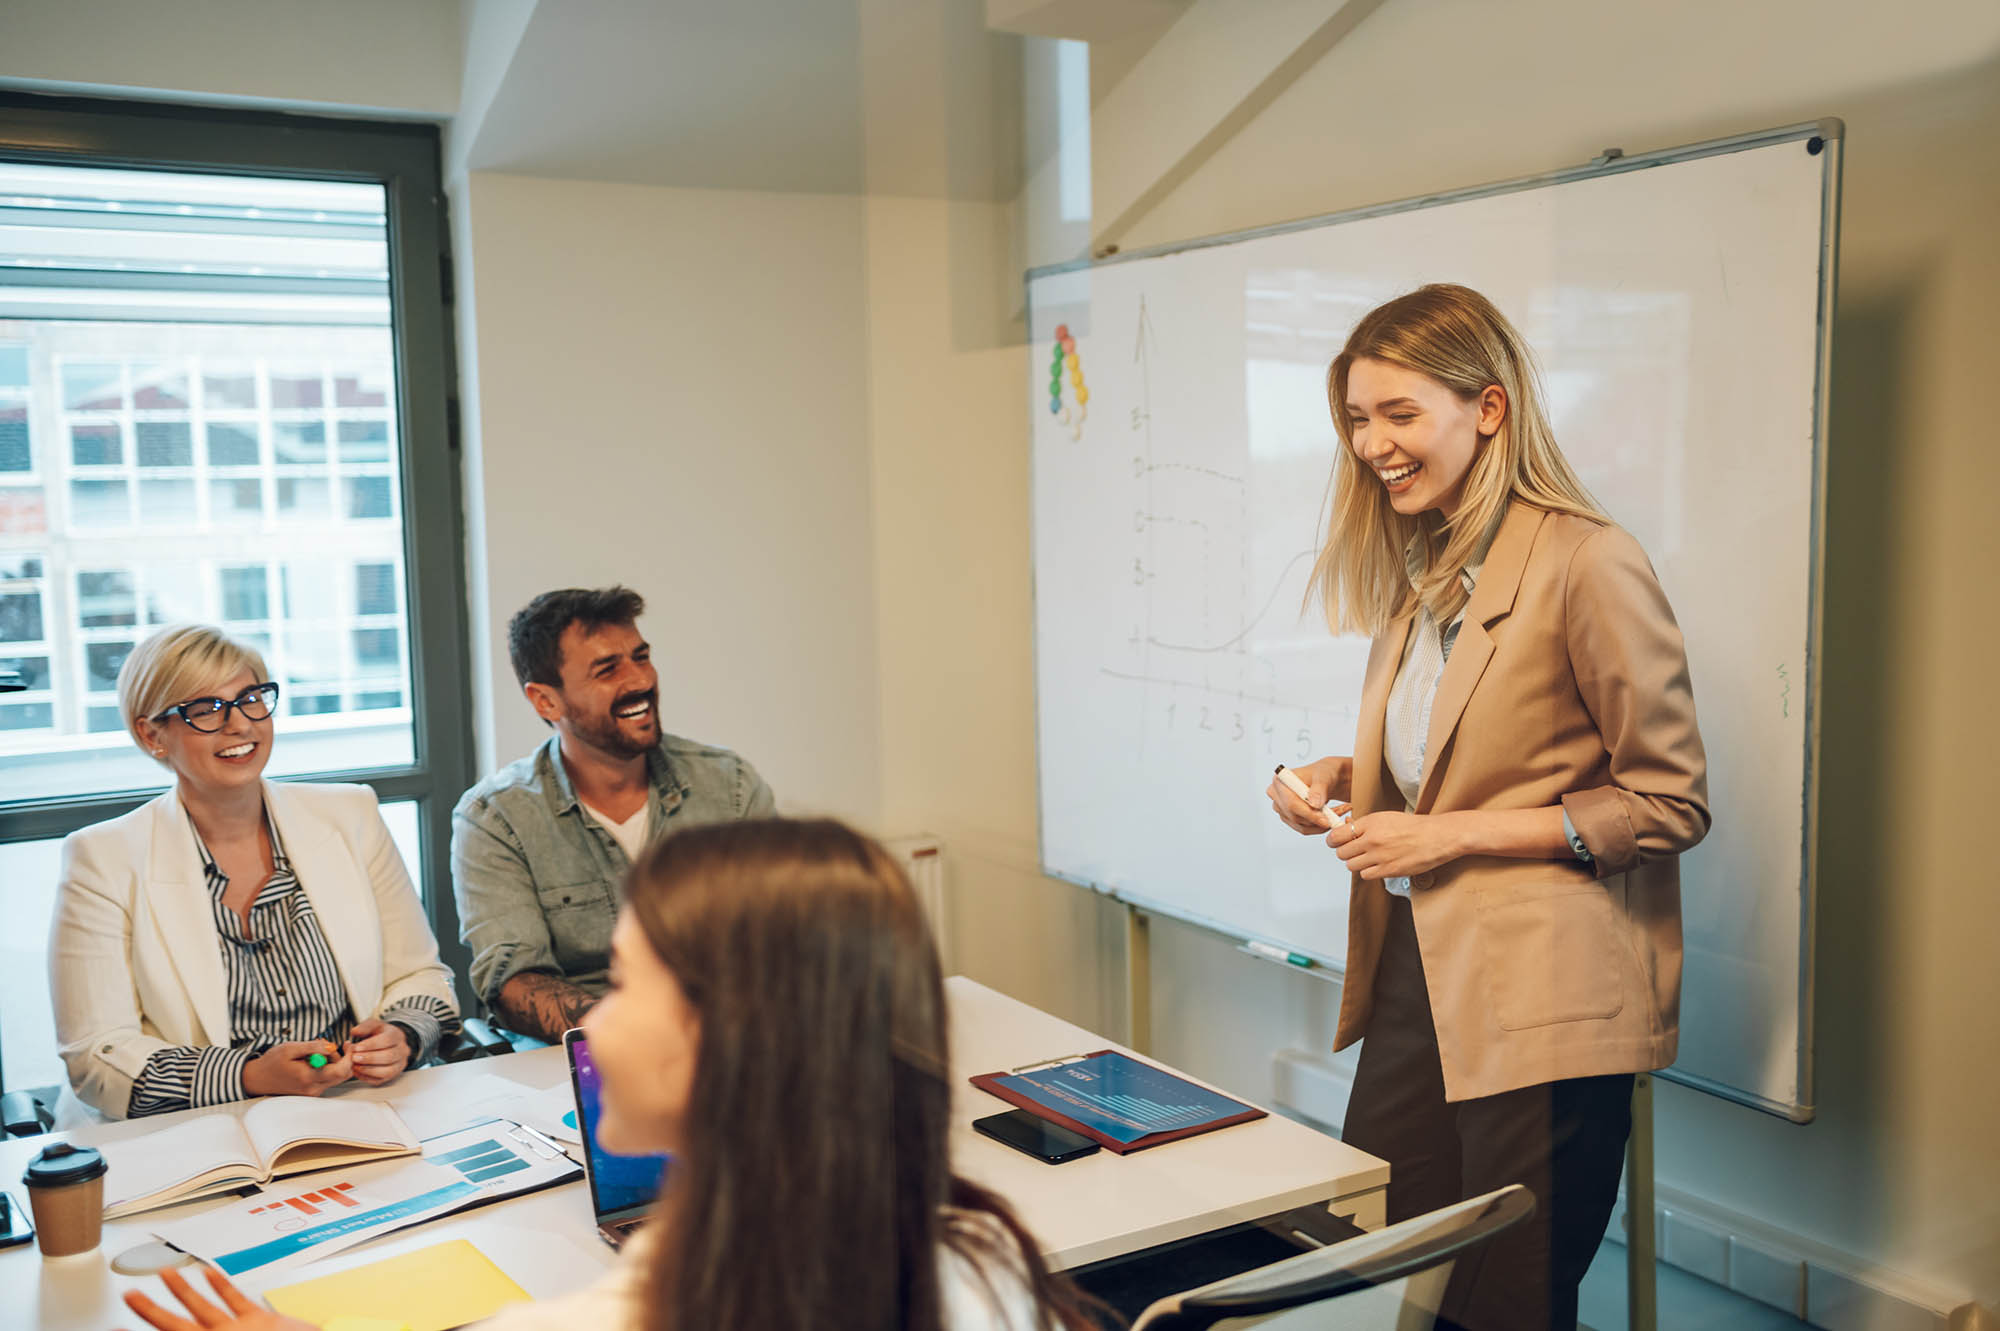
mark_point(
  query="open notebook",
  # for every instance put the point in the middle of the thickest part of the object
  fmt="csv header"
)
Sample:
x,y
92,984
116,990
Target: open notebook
x,y
252,1142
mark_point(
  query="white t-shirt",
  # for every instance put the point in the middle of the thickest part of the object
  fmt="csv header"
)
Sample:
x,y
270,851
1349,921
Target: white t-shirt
x,y
631,834
995,1298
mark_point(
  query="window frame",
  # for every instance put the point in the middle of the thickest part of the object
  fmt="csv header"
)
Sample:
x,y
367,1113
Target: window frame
x,y
403,158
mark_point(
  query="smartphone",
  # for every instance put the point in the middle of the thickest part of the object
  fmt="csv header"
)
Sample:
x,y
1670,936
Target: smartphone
x,y
1036,1136
16,1227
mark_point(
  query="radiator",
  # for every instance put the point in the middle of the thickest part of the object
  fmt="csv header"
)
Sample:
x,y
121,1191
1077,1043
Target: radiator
x,y
922,858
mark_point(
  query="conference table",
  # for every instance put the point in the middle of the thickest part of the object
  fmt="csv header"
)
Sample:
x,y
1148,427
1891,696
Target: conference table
x,y
1086,1211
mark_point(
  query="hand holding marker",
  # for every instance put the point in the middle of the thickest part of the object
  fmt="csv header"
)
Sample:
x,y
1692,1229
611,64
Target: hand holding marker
x,y
1304,792
1269,951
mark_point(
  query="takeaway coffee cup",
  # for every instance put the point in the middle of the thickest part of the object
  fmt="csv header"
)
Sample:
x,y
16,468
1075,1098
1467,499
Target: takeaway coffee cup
x,y
66,1189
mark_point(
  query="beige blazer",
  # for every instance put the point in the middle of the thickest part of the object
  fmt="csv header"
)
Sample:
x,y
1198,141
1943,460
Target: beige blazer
x,y
134,961
1568,684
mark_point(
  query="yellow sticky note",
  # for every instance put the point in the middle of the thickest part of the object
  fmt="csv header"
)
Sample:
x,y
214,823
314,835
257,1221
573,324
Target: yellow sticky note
x,y
432,1289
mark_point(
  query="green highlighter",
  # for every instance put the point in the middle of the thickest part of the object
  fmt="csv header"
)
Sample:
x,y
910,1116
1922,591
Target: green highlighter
x,y
317,1060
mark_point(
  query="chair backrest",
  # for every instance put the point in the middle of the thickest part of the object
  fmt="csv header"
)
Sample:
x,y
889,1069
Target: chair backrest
x,y
1392,1278
23,1115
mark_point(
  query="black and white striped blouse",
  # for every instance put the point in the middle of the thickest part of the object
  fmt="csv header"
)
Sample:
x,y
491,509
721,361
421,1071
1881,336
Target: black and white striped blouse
x,y
282,983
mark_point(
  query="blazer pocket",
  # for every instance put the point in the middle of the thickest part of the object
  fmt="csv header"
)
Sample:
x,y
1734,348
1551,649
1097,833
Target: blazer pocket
x,y
1550,955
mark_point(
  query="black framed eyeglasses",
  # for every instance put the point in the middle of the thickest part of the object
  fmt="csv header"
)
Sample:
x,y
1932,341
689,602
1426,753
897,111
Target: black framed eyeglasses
x,y
209,715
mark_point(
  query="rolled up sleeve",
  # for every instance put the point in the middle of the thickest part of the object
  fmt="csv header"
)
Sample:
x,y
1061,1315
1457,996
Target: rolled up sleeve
x,y
188,1077
425,1021
1630,664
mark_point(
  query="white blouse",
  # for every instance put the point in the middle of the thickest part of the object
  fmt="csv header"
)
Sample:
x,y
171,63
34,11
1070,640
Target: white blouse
x,y
1407,727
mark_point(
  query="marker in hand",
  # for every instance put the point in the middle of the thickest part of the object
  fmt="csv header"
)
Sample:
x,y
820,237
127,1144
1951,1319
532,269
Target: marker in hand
x,y
318,1060
1304,792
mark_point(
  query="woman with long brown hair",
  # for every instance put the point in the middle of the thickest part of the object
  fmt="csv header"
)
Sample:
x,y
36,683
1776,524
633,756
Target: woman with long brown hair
x,y
776,1019
1526,772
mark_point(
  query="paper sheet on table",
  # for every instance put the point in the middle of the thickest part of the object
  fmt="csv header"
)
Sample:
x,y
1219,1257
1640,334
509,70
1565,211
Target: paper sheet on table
x,y
432,1289
313,1216
451,1104
552,1111
547,1262
484,1096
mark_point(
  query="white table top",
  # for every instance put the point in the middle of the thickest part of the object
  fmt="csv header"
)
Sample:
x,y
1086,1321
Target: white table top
x,y
1106,1205
1083,1211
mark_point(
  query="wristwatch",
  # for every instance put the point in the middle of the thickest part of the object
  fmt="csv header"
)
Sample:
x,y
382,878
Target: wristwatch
x,y
1575,841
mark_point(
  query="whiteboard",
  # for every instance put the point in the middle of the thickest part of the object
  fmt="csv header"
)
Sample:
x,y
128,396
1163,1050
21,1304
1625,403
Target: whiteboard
x,y
1679,303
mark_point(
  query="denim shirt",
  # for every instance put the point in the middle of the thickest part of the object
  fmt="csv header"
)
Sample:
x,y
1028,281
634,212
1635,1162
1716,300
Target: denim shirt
x,y
538,879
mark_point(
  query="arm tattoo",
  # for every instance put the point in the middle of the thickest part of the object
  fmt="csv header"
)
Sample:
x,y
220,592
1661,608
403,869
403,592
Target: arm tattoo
x,y
542,1005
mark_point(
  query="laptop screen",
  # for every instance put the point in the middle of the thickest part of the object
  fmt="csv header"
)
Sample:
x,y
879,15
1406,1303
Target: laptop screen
x,y
617,1182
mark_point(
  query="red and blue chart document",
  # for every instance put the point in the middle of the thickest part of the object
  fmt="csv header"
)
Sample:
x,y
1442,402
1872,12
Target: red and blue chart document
x,y
307,1218
1119,1102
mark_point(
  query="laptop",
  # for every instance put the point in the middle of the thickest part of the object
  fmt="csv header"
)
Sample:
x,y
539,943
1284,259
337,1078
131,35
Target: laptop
x,y
622,1187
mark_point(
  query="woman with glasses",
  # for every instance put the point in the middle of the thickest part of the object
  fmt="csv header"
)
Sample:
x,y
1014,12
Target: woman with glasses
x,y
234,937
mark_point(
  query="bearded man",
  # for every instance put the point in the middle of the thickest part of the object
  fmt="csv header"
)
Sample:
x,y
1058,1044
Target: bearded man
x,y
540,848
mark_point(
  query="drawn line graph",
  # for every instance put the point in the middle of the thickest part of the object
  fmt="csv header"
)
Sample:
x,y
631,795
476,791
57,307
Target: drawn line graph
x,y
1248,628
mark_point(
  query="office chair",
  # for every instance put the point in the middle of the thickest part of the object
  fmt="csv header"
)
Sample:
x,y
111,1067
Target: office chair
x,y
475,1039
1392,1278
22,1114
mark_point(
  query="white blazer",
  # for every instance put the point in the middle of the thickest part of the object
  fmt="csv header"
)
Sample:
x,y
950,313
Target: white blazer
x,y
134,961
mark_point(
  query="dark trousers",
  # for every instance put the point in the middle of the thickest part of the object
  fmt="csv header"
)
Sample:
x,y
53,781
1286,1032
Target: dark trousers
x,y
1565,1141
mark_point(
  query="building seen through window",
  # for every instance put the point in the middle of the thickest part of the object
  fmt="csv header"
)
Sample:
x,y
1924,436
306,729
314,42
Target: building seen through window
x,y
197,422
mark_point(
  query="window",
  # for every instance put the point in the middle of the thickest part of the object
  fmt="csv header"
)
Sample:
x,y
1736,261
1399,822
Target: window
x,y
168,457
15,454
24,642
223,386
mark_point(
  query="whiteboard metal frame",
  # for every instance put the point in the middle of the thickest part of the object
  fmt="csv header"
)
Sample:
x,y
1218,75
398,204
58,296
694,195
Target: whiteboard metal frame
x,y
1831,133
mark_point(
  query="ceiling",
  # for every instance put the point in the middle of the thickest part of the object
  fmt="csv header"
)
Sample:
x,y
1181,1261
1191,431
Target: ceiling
x,y
900,97
821,96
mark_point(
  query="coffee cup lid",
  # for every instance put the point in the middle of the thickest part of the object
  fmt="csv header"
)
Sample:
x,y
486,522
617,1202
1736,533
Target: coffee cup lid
x,y
64,1162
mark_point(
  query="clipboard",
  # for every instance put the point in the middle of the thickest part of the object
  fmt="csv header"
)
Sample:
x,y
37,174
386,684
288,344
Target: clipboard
x,y
1069,1086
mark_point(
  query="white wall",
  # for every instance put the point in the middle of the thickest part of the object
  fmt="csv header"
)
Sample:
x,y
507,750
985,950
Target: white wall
x,y
395,57
1902,1166
671,393
948,434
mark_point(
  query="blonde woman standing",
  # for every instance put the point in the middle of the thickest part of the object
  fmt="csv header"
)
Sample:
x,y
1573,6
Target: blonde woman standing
x,y
1527,770
208,944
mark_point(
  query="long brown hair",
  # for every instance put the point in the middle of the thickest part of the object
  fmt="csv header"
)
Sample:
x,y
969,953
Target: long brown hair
x,y
814,1174
1363,575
